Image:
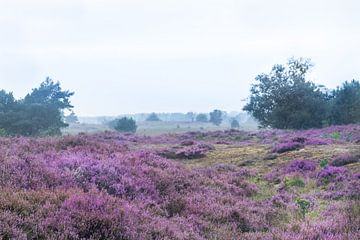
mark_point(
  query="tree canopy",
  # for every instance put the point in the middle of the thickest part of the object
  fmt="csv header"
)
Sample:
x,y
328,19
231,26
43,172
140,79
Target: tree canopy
x,y
346,103
216,117
39,113
285,99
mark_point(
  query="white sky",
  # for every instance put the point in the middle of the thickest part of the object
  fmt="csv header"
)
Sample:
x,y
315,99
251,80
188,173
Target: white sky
x,y
126,56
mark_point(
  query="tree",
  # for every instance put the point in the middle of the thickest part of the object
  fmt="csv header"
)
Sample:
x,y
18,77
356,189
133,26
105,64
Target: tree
x,y
346,103
153,118
124,125
191,116
39,113
284,99
71,118
50,94
235,124
216,117
7,101
202,117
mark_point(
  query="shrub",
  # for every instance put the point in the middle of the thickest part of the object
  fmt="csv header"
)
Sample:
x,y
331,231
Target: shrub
x,y
323,163
124,125
301,166
303,205
344,159
330,173
286,147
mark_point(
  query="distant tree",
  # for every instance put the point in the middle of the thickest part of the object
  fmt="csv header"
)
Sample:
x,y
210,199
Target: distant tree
x,y
202,117
153,118
124,125
235,124
7,101
285,99
39,113
71,118
346,103
191,116
216,117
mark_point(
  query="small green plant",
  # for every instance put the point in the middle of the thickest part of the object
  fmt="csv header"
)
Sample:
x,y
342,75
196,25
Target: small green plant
x,y
323,163
303,205
335,135
2,132
294,182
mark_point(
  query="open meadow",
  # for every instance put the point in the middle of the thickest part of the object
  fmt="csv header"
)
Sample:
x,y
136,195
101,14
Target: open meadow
x,y
268,184
159,127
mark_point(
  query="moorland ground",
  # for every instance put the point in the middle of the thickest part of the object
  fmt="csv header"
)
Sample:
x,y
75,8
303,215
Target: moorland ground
x,y
270,184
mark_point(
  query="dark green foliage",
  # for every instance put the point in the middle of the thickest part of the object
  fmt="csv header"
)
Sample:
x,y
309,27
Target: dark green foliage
x,y
39,113
346,103
284,99
124,125
216,117
235,124
153,118
323,163
71,118
202,117
304,206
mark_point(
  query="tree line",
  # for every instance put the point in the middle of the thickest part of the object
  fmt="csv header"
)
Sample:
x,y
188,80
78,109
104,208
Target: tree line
x,y
283,98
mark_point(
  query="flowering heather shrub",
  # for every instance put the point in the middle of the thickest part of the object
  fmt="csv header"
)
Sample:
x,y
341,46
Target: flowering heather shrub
x,y
300,166
344,159
286,147
332,174
297,166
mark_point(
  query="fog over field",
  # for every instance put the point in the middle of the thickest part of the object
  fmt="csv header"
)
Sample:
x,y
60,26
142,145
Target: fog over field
x,y
134,56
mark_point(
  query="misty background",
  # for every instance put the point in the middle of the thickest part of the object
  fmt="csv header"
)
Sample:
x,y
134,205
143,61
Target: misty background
x,y
134,56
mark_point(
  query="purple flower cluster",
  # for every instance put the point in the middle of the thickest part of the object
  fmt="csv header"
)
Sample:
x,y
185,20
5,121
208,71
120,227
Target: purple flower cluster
x,y
301,166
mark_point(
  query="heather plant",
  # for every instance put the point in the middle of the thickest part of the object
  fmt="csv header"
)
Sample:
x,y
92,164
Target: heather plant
x,y
344,159
301,166
330,173
286,147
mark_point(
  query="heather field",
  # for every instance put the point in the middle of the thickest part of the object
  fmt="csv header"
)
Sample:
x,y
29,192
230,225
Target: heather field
x,y
268,184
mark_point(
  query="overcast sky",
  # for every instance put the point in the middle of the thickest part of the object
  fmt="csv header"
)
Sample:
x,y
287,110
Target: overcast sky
x,y
127,56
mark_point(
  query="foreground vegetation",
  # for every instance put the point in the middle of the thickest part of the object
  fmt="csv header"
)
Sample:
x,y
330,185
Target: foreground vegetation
x,y
271,184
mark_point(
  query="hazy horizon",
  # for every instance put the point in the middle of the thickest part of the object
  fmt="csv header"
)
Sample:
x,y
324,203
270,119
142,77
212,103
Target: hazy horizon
x,y
135,56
